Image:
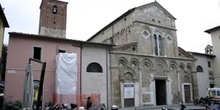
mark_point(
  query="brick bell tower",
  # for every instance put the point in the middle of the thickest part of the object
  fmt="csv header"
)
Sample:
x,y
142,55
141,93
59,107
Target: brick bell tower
x,y
53,15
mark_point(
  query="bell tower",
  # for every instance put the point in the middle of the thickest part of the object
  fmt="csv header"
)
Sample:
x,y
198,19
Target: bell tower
x,y
53,15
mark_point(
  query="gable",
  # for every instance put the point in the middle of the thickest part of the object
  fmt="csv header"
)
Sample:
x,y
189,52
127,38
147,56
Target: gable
x,y
184,54
159,7
154,13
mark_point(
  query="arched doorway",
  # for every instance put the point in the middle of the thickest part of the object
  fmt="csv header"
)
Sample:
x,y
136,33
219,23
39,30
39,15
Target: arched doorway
x,y
187,93
129,90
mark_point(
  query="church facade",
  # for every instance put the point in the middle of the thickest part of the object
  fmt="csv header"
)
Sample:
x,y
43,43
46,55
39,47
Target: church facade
x,y
146,65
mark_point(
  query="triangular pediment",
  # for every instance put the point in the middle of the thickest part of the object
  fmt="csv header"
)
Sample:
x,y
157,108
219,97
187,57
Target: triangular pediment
x,y
147,8
184,54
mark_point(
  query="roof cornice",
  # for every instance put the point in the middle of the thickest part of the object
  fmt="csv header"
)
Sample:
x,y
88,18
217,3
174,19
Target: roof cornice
x,y
212,29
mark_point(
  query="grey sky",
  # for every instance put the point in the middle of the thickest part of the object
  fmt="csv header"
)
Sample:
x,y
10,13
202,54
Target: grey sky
x,y
86,17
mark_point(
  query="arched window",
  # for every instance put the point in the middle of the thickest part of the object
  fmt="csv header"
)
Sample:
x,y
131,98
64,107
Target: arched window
x,y
94,67
158,45
199,69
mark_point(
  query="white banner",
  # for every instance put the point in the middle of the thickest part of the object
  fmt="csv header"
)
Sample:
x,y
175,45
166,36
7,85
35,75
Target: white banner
x,y
128,90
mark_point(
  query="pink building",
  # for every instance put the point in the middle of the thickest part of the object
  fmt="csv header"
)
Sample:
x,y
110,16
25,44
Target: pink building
x,y
24,46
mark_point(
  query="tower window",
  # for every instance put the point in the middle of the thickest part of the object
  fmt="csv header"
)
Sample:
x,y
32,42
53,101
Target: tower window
x,y
54,10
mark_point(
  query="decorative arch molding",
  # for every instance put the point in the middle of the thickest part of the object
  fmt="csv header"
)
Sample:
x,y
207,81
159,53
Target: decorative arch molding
x,y
122,62
173,65
134,63
186,73
167,33
189,67
147,62
148,28
158,32
182,66
130,71
128,77
162,63
186,78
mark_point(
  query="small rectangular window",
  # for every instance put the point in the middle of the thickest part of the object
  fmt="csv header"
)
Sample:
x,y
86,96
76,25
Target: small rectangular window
x,y
61,51
209,64
37,53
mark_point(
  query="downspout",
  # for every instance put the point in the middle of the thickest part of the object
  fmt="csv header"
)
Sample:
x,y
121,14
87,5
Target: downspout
x,y
80,74
107,82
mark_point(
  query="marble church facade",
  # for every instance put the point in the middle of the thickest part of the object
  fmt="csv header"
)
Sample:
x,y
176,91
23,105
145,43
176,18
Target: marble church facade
x,y
146,65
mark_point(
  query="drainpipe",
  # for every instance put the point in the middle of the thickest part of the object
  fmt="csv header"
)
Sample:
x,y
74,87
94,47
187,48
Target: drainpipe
x,y
107,82
80,73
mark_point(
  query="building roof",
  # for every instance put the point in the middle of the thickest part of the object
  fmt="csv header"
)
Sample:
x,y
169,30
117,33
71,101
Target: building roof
x,y
2,14
36,36
129,12
204,54
113,22
212,29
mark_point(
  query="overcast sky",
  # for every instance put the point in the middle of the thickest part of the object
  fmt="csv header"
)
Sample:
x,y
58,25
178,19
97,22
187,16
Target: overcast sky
x,y
86,17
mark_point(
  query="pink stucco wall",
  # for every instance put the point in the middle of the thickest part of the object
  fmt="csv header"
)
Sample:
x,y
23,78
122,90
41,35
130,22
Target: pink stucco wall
x,y
20,50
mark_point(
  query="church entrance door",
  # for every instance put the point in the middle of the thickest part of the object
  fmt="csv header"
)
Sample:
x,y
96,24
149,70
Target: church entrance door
x,y
160,87
187,93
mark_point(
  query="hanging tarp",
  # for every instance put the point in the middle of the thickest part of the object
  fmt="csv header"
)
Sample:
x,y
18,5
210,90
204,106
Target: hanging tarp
x,y
66,73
